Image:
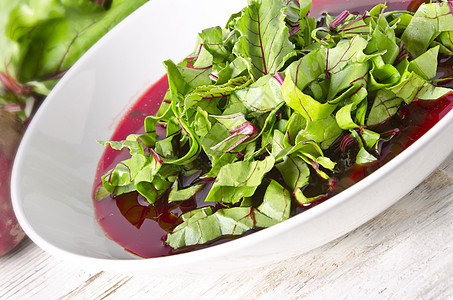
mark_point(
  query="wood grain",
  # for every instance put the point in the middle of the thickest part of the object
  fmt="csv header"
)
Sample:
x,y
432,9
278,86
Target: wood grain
x,y
404,253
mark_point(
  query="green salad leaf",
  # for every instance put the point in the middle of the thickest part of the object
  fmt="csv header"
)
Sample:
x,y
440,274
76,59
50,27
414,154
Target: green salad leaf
x,y
264,105
264,41
42,39
427,24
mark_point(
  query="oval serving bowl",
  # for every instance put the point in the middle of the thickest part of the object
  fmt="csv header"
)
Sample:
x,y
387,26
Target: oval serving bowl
x,y
56,162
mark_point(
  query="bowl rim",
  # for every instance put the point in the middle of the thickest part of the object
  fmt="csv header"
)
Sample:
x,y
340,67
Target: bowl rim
x,y
212,251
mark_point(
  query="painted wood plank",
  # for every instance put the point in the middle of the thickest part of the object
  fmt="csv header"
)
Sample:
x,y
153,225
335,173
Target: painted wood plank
x,y
405,252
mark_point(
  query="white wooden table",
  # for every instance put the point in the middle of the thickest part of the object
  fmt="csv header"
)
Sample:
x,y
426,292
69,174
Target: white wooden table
x,y
404,253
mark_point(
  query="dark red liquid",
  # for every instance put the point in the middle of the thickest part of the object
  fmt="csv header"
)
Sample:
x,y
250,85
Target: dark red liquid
x,y
141,228
128,220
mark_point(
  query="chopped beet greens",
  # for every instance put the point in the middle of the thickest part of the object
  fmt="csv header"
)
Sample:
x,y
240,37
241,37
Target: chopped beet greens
x,y
268,112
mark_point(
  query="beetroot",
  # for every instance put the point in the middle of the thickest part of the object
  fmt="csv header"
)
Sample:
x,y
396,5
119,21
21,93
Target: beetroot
x,y
11,131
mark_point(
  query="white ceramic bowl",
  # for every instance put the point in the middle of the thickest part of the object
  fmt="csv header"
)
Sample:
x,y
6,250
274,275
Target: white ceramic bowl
x,y
56,162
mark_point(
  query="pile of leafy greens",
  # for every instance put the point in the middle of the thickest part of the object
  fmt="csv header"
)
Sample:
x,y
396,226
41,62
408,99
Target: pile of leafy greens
x,y
250,116
41,39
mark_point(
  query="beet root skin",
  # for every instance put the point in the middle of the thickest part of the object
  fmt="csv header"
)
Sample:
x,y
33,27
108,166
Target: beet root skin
x,y
11,131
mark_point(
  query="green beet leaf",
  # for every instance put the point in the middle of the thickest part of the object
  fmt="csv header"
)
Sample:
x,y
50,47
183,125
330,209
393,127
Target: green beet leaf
x,y
370,138
205,226
45,38
240,131
264,42
383,38
383,75
262,96
324,132
202,125
214,92
238,180
218,42
295,171
307,69
408,87
131,142
430,92
364,157
352,74
270,94
446,38
276,202
385,105
195,146
304,104
73,27
145,182
344,117
426,64
345,52
136,173
183,194
295,124
427,23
